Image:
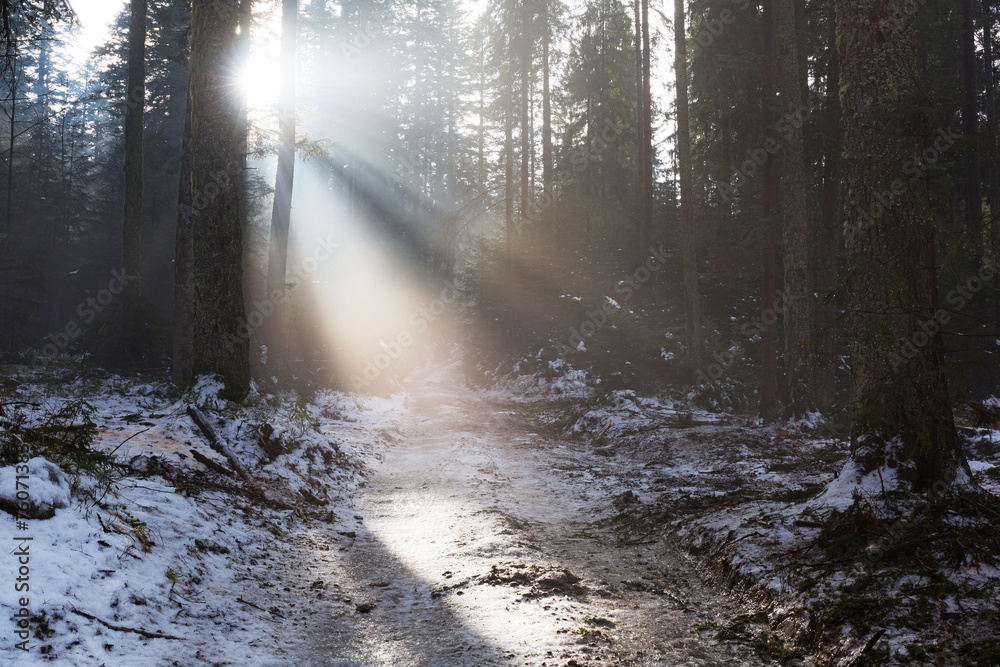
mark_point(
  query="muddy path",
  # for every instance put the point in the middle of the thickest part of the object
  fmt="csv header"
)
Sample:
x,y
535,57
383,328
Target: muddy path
x,y
476,545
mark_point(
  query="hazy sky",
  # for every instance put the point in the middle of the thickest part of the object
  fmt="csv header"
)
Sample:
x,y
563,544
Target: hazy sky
x,y
95,17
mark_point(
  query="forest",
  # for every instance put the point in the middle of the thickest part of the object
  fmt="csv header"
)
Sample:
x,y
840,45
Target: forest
x,y
668,331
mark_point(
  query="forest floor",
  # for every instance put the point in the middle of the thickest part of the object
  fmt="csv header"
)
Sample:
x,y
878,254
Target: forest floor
x,y
452,526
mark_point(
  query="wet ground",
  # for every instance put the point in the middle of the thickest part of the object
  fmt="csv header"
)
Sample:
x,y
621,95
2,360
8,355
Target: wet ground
x,y
476,545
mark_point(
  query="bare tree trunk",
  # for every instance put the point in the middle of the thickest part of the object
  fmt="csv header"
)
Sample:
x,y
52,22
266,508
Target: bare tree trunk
x,y
795,216
689,252
830,233
183,321
970,115
899,389
640,131
525,57
647,123
546,102
277,327
508,144
991,112
135,103
769,361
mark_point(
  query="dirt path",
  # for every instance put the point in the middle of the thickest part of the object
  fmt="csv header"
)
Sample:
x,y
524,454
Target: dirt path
x,y
477,548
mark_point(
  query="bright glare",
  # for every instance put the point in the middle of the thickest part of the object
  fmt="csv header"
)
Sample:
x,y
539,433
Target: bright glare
x,y
262,78
96,18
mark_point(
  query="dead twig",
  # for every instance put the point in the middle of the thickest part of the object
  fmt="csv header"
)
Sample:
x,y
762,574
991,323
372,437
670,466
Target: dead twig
x,y
250,604
122,628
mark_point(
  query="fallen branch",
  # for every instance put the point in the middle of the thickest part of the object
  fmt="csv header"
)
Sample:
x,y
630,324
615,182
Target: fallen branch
x,y
216,443
122,628
856,660
209,463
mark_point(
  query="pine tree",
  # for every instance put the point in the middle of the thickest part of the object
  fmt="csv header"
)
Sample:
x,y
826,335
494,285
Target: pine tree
x,y
899,386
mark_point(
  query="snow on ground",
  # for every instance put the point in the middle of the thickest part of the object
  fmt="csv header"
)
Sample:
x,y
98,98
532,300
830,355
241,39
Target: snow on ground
x,y
161,561
449,526
766,512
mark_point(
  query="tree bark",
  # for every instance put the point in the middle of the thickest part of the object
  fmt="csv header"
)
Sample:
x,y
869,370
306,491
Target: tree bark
x,y
135,102
970,115
219,329
899,389
769,203
277,327
546,102
991,111
689,256
830,233
525,58
508,168
640,131
795,217
647,124
183,320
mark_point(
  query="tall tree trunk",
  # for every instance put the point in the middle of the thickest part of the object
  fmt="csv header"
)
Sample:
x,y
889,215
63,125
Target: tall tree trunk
x,y
640,131
183,320
769,196
647,122
508,168
525,58
830,233
991,111
970,115
689,252
795,216
546,102
219,340
278,326
15,75
899,389
135,103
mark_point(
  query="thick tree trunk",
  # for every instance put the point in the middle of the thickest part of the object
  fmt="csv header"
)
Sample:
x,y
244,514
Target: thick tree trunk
x,y
899,388
689,253
277,327
795,216
135,103
219,336
829,242
769,184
